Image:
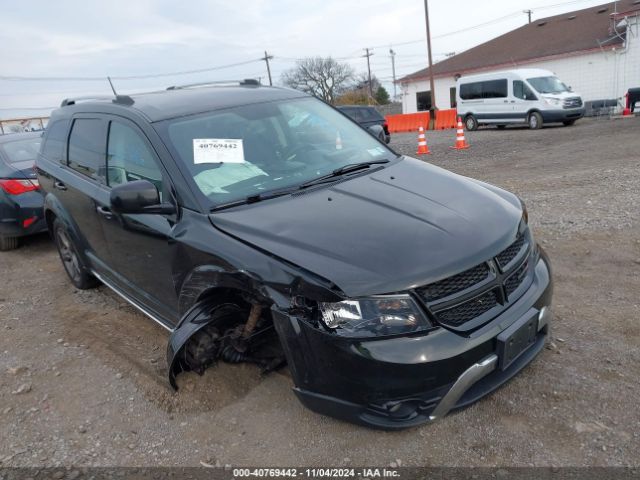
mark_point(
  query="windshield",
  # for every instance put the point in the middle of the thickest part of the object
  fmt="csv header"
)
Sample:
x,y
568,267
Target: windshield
x,y
22,150
548,84
252,149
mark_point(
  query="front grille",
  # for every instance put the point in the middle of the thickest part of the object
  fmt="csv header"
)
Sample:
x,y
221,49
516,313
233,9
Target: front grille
x,y
572,102
461,298
508,254
454,284
469,310
515,280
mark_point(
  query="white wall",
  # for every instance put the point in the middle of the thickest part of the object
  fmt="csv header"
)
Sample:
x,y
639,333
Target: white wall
x,y
596,75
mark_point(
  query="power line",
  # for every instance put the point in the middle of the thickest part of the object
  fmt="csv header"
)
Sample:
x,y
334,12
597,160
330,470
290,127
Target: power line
x,y
127,77
484,24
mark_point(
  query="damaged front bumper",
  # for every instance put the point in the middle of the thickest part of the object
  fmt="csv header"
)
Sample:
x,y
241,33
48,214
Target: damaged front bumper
x,y
403,382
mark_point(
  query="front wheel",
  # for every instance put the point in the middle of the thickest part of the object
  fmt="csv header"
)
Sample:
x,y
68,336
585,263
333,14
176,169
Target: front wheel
x,y
568,123
73,265
535,121
471,123
8,243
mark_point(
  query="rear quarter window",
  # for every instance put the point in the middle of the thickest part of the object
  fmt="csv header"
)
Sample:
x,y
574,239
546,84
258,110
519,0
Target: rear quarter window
x,y
54,141
87,147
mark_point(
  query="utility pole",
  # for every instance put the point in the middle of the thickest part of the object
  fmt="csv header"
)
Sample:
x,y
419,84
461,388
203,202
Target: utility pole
x,y
368,54
393,70
266,58
432,110
528,12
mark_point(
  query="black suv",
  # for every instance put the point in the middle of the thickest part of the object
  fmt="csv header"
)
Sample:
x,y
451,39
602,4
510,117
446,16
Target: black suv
x,y
259,224
367,117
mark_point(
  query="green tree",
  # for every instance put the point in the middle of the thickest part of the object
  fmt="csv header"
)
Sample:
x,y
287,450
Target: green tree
x,y
382,96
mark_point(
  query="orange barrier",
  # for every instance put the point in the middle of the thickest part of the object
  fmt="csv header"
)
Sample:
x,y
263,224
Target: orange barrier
x,y
446,119
408,122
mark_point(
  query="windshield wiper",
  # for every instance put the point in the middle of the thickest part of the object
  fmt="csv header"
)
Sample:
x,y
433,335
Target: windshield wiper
x,y
258,197
351,167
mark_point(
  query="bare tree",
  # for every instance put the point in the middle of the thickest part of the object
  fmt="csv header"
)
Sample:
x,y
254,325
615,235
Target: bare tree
x,y
324,78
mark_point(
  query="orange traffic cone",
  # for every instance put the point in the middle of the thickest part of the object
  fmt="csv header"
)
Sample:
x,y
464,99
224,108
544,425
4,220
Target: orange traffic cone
x,y
461,143
423,149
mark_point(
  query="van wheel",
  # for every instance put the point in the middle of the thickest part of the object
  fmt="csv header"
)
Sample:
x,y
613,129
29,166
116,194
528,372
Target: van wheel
x,y
568,123
73,265
501,127
471,123
8,243
535,121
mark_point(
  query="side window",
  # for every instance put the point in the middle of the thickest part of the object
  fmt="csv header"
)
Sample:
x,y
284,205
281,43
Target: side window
x,y
86,152
53,145
494,89
522,91
518,89
129,158
471,91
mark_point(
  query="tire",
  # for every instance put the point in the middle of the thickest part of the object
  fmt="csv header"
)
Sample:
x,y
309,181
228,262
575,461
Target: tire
x,y
8,243
501,127
471,123
568,123
534,121
71,261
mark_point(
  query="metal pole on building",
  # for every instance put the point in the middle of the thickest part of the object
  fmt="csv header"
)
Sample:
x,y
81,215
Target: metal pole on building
x,y
528,12
432,110
393,70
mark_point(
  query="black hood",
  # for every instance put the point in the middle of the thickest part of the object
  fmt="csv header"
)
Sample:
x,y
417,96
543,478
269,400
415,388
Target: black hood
x,y
401,227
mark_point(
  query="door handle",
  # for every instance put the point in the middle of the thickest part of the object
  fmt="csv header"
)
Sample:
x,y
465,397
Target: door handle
x,y
105,212
59,185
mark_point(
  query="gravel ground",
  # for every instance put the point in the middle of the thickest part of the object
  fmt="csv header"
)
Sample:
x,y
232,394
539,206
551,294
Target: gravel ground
x,y
83,375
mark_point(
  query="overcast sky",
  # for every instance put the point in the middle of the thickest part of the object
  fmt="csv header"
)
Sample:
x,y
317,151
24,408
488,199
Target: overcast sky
x,y
73,38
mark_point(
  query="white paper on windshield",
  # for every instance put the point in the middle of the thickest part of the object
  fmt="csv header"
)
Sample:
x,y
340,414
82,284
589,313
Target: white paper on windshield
x,y
217,150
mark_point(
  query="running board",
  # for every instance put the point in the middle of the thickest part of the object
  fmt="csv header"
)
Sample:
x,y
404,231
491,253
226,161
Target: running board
x,y
133,303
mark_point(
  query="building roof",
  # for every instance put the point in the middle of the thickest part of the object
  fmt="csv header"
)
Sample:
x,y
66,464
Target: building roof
x,y
565,34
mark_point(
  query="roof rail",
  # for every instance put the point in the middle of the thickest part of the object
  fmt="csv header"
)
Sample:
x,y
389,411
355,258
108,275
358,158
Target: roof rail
x,y
119,99
73,101
217,83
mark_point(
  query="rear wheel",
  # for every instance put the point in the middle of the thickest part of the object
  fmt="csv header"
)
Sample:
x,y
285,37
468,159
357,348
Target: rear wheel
x,y
73,265
568,123
8,243
471,123
535,121
500,127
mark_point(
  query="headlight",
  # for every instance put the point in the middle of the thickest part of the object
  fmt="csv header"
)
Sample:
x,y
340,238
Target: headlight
x,y
374,316
553,101
525,212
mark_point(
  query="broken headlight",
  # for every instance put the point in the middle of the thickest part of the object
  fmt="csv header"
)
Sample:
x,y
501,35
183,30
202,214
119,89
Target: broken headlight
x,y
374,316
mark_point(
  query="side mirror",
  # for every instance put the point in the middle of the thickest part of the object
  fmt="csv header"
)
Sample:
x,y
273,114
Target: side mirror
x,y
140,196
376,131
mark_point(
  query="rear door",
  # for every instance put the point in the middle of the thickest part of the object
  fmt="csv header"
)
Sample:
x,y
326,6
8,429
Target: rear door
x,y
76,185
141,246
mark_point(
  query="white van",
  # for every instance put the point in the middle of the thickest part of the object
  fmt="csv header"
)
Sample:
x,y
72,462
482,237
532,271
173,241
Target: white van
x,y
530,96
